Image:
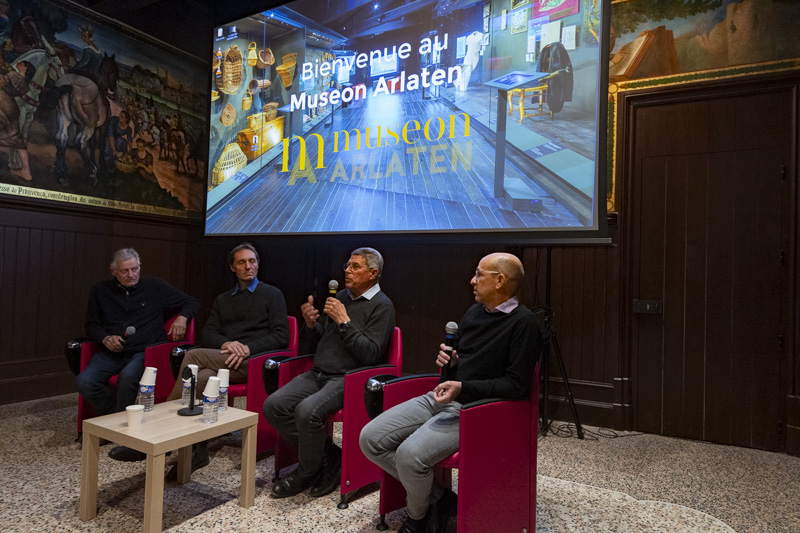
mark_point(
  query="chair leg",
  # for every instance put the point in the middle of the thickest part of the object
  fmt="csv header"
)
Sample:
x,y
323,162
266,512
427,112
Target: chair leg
x,y
343,502
382,526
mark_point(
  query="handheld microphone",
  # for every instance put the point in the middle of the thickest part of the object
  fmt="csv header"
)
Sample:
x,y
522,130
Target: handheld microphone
x,y
130,330
333,287
450,330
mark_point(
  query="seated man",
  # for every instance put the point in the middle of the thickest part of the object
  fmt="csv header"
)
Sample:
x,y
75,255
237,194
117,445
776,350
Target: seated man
x,y
355,332
245,321
114,305
495,351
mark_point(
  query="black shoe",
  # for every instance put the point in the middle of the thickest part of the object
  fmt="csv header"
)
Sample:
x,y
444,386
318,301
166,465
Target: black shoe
x,y
414,526
123,453
330,473
441,511
199,460
291,485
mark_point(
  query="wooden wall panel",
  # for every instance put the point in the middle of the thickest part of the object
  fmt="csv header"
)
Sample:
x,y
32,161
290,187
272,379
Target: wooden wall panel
x,y
48,262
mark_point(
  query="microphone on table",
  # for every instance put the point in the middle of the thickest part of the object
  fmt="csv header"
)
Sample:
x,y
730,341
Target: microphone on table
x,y
192,410
450,330
130,330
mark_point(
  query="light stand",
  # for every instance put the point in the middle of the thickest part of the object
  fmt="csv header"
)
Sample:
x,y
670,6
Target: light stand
x,y
550,339
192,410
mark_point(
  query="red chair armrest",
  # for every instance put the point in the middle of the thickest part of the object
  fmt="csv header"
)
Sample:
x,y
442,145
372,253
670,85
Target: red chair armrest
x,y
255,391
88,349
399,390
278,370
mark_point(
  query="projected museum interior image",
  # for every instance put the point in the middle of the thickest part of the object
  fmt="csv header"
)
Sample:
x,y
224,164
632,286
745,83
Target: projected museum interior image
x,y
406,117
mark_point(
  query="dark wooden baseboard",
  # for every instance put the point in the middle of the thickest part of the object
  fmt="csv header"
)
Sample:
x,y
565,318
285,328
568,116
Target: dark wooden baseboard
x,y
35,387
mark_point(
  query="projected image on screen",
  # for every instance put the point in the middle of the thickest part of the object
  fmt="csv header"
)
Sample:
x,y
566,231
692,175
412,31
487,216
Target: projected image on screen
x,y
387,118
386,64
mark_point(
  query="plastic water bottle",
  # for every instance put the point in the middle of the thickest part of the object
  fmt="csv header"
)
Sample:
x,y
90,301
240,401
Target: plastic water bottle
x,y
210,409
186,394
146,396
223,399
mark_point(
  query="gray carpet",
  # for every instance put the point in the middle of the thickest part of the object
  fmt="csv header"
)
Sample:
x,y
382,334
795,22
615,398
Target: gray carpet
x,y
638,483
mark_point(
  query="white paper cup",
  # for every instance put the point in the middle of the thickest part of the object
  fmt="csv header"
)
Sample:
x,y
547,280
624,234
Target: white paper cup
x,y
135,414
212,387
224,376
149,376
194,371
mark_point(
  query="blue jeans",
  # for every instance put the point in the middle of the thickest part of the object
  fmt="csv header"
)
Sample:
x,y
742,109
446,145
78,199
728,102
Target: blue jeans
x,y
408,440
299,410
92,383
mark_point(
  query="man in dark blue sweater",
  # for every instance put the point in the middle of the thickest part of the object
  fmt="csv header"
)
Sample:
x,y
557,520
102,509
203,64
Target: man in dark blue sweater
x,y
114,305
496,349
355,332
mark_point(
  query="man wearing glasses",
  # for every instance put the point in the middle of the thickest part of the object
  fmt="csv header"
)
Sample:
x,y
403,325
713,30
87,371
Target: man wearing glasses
x,y
114,306
354,330
496,347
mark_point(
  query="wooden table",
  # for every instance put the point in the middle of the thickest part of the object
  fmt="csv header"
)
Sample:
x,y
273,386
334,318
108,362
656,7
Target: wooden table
x,y
163,430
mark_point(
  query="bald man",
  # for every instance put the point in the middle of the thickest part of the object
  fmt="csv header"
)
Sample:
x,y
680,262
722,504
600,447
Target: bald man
x,y
496,347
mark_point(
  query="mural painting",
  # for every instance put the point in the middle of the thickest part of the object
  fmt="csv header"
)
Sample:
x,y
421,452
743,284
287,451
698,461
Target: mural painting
x,y
656,38
95,114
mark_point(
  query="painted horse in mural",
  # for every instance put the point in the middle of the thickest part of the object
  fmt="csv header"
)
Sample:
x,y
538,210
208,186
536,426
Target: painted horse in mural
x,y
48,67
85,103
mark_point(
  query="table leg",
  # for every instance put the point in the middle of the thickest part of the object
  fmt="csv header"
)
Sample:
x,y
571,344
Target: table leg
x,y
247,492
154,493
184,464
90,458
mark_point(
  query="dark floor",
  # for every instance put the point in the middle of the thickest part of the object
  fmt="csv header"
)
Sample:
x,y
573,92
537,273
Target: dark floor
x,y
634,483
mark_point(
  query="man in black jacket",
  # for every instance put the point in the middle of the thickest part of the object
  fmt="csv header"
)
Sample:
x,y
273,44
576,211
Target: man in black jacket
x,y
115,305
496,347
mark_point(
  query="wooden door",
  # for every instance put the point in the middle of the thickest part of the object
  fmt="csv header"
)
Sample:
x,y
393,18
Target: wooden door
x,y
710,266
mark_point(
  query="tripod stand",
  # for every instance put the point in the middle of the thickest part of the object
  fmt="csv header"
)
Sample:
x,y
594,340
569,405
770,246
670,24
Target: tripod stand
x,y
550,339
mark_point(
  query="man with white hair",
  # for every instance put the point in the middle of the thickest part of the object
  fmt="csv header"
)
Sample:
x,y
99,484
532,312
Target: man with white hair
x,y
115,305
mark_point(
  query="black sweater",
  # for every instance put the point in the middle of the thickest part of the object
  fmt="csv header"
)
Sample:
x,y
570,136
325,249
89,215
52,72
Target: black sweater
x,y
256,319
497,353
365,343
112,308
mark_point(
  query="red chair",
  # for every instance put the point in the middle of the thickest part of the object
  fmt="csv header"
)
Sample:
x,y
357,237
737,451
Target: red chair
x,y
357,470
496,460
79,351
254,388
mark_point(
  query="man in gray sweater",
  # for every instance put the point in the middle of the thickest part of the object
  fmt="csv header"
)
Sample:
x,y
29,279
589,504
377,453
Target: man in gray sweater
x,y
354,332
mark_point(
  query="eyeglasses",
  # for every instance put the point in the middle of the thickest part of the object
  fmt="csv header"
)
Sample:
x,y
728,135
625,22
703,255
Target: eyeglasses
x,y
355,267
479,273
